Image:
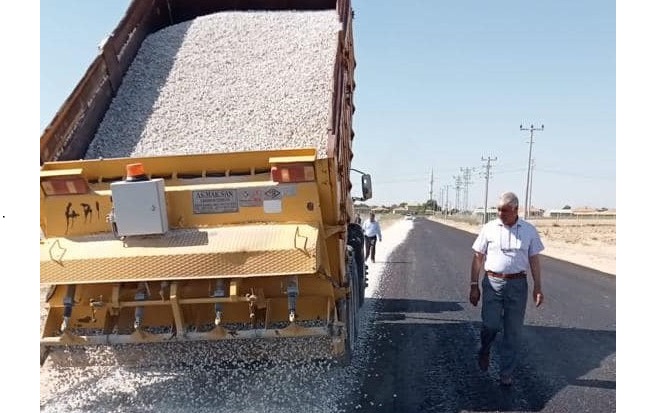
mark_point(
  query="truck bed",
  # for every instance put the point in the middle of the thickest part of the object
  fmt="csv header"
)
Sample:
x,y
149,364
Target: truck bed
x,y
90,109
226,82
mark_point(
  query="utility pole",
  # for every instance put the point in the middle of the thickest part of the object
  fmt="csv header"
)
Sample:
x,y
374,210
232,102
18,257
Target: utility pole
x,y
466,173
487,179
440,205
431,185
529,204
458,185
447,205
532,129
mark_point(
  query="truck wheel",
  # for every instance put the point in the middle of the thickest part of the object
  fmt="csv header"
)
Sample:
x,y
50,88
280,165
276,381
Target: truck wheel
x,y
345,314
356,242
349,308
354,302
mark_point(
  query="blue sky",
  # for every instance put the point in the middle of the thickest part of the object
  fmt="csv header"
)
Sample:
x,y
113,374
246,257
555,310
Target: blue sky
x,y
444,85
440,87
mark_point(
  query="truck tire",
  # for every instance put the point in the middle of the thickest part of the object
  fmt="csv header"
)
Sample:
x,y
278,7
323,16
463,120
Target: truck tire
x,y
348,308
356,242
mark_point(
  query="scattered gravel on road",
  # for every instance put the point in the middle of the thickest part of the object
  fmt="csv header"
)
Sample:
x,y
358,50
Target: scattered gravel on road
x,y
201,386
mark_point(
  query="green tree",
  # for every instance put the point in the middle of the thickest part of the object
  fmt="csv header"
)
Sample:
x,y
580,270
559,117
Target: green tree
x,y
431,205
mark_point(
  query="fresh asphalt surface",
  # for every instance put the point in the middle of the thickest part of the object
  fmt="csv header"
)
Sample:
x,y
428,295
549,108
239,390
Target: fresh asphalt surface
x,y
415,354
425,335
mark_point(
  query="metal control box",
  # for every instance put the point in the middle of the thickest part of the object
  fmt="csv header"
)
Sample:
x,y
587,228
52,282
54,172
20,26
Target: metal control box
x,y
140,207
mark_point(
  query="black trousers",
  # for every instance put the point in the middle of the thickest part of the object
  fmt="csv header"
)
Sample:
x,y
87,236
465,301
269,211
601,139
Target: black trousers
x,y
370,248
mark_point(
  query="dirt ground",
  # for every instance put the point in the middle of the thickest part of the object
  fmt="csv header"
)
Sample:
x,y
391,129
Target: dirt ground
x,y
590,243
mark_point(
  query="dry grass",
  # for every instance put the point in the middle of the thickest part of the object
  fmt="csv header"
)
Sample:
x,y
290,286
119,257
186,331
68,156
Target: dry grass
x,y
587,242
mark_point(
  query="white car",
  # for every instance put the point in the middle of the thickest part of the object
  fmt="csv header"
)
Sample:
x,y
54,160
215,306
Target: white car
x,y
409,217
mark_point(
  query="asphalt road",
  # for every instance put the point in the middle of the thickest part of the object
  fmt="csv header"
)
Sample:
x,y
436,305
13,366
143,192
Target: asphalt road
x,y
424,336
416,352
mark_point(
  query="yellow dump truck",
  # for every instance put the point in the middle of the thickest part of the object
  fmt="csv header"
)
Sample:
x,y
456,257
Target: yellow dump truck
x,y
249,239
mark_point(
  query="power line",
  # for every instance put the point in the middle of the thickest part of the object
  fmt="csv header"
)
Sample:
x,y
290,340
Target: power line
x,y
509,171
398,181
551,171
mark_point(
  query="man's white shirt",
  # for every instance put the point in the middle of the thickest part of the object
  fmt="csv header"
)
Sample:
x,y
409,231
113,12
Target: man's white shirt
x,y
507,250
372,229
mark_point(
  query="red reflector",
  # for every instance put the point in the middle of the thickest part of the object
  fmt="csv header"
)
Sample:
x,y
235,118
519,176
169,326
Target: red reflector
x,y
65,186
293,173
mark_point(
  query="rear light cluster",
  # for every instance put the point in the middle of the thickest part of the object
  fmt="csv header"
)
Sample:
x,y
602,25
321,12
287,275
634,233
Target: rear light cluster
x,y
65,186
63,182
293,173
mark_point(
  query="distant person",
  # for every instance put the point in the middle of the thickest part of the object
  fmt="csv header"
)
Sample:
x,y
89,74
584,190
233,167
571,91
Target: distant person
x,y
372,231
505,248
358,219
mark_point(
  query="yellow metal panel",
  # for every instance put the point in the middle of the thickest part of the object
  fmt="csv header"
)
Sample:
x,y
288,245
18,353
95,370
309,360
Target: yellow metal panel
x,y
230,251
291,159
72,215
95,169
295,203
61,172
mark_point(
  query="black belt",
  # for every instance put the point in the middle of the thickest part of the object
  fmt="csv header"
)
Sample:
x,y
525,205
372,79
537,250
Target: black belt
x,y
515,276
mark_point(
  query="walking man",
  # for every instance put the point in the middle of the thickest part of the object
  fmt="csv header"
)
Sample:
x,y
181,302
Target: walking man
x,y
372,231
505,248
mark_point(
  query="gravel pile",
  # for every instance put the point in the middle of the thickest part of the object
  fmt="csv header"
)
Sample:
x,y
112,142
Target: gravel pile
x,y
226,82
197,384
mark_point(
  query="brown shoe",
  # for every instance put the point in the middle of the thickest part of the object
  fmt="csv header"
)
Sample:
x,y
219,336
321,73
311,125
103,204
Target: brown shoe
x,y
484,361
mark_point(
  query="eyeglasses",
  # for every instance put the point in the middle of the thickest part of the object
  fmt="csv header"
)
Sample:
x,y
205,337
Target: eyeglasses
x,y
506,209
512,245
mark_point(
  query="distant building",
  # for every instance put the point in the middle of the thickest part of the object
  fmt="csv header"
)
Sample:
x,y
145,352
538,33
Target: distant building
x,y
408,209
581,212
558,213
535,212
362,209
380,210
492,213
587,212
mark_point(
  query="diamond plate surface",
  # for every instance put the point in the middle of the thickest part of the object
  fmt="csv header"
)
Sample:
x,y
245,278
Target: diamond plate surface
x,y
234,251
